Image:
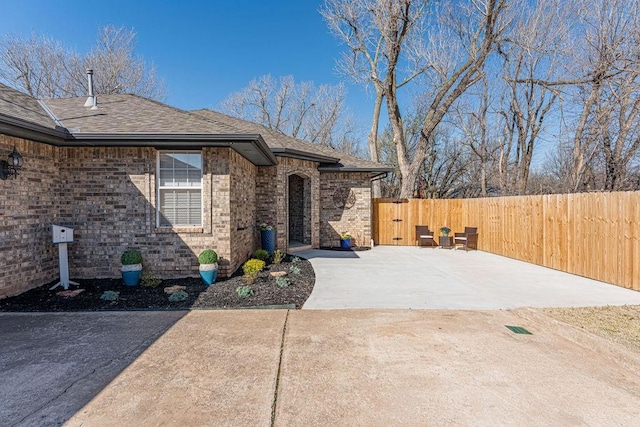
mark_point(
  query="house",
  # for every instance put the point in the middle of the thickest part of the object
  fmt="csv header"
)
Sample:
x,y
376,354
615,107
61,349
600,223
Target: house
x,y
136,173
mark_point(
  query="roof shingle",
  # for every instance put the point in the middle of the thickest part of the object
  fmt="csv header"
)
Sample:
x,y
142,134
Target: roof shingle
x,y
24,107
130,114
133,115
276,140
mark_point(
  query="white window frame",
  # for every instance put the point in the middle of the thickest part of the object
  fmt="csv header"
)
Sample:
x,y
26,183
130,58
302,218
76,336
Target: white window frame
x,y
158,188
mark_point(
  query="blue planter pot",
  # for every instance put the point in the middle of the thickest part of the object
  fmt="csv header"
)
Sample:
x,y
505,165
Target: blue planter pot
x,y
345,243
131,278
268,240
209,277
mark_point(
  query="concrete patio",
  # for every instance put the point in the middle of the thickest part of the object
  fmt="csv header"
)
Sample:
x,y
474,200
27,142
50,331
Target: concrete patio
x,y
408,277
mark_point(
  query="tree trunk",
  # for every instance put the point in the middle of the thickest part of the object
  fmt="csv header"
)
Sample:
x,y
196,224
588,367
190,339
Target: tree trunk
x,y
372,140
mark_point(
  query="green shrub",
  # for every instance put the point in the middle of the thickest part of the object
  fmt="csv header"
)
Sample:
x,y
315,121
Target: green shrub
x,y
150,280
251,269
131,256
294,269
283,282
110,296
178,296
295,260
208,256
278,256
261,254
244,291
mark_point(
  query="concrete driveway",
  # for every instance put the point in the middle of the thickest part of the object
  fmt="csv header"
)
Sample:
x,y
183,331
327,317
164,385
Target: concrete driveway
x,y
310,368
427,278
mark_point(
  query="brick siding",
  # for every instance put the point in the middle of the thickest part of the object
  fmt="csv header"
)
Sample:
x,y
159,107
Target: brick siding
x,y
334,220
28,207
108,195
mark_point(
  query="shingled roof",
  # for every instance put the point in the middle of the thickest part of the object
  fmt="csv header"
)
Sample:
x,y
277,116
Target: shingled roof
x,y
133,120
284,145
132,114
21,106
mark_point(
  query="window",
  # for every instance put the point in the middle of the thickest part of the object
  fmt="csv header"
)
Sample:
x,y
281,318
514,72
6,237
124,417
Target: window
x,y
179,188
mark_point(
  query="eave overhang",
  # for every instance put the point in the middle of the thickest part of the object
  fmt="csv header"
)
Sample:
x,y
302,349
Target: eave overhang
x,y
303,155
250,146
19,128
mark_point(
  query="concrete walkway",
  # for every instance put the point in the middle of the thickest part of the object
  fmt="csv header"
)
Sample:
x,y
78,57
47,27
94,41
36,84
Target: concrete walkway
x,y
310,368
428,278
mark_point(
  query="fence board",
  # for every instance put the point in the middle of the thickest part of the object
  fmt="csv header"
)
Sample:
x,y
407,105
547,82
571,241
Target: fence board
x,y
596,235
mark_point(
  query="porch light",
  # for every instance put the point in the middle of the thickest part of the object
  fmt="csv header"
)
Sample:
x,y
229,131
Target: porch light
x,y
11,167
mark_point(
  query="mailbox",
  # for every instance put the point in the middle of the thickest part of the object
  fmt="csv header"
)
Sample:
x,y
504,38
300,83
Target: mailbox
x,y
62,234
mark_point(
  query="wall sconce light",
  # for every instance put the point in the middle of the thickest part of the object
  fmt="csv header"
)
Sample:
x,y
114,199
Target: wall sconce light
x,y
11,167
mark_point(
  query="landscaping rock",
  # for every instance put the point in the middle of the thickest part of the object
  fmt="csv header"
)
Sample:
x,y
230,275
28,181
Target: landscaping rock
x,y
171,289
69,293
278,273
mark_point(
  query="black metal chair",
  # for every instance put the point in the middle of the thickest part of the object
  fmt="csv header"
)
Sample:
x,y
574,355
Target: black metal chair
x,y
468,239
423,235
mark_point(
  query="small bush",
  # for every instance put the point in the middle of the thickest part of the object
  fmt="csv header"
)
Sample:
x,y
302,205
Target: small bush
x,y
251,269
150,280
295,260
294,269
278,256
110,296
178,296
244,291
283,282
131,256
261,254
208,256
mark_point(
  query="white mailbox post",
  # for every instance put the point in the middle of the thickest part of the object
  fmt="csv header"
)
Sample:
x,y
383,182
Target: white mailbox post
x,y
62,236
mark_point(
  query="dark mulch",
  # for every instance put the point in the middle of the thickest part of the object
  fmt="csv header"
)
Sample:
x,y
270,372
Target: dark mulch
x,y
219,296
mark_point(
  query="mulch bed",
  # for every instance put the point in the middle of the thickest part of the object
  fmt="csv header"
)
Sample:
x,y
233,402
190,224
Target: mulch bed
x,y
221,295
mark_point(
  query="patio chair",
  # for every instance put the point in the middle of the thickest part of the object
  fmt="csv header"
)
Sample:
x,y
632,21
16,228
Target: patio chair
x,y
423,235
468,239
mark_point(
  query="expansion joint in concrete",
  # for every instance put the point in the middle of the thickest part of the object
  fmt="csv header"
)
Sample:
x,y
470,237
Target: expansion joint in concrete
x,y
275,391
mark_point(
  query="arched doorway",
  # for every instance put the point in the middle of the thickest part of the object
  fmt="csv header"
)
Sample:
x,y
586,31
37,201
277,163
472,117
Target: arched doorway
x,y
299,210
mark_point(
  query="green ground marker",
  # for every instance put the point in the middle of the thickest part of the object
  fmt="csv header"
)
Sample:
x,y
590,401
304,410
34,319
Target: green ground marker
x,y
518,330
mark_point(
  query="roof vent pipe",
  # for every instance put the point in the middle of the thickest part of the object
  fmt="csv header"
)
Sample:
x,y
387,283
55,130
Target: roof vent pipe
x,y
91,100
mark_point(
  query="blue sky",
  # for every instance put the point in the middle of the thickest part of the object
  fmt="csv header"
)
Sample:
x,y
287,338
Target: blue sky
x,y
204,50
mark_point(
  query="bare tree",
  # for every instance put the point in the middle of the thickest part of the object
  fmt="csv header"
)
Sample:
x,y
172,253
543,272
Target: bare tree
x,y
116,67
38,65
383,38
44,68
608,124
301,110
537,48
471,31
450,58
473,120
608,58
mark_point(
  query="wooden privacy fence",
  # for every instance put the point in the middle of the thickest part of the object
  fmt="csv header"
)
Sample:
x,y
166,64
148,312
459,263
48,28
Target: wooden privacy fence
x,y
595,235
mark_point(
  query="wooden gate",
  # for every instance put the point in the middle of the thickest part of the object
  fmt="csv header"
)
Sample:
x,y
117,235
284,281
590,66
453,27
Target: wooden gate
x,y
389,215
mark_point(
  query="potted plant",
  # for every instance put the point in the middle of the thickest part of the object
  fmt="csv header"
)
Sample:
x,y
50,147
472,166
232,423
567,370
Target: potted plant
x,y
345,241
445,240
268,237
131,270
208,260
